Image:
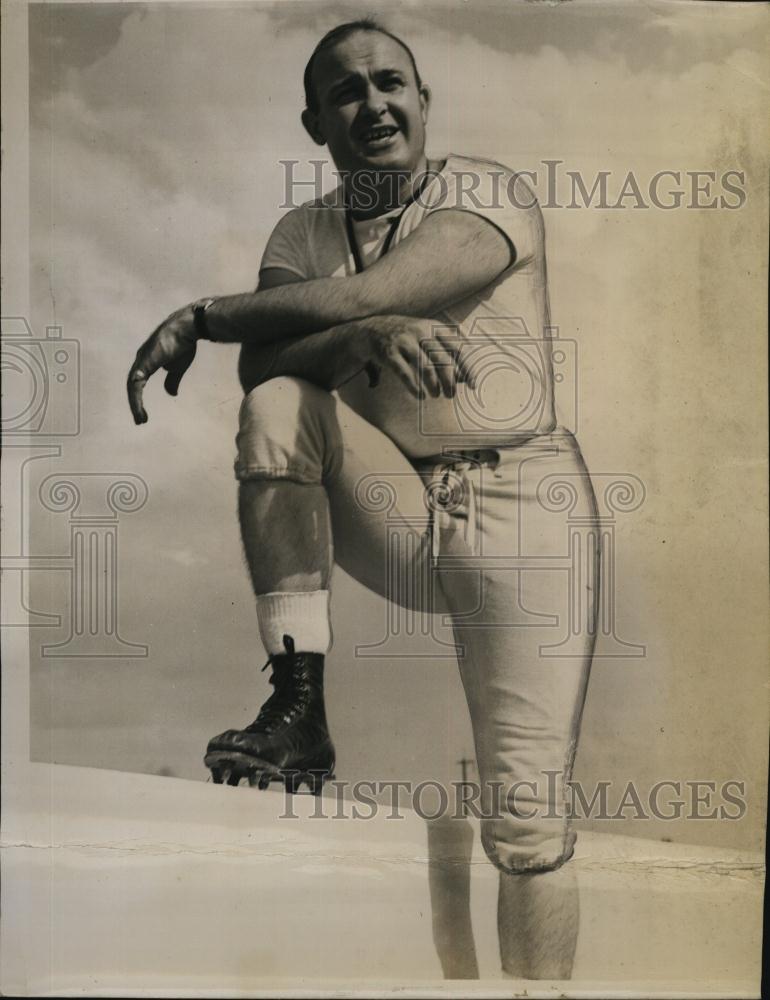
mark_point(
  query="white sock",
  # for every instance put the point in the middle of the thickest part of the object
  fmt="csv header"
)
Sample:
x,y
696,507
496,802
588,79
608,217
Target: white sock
x,y
304,615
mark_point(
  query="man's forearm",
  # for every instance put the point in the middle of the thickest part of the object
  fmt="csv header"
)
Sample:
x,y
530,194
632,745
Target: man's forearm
x,y
288,311
449,256
327,359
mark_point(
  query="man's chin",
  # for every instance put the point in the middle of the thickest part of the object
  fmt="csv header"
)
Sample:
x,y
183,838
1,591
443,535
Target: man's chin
x,y
391,159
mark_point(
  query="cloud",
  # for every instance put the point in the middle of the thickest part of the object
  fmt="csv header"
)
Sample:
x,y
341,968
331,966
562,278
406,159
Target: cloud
x,y
64,37
185,557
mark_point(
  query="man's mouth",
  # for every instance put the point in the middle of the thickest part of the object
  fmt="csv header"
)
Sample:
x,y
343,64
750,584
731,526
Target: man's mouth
x,y
378,135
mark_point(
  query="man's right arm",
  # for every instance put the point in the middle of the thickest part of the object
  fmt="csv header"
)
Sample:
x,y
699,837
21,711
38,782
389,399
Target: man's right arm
x,y
406,345
451,254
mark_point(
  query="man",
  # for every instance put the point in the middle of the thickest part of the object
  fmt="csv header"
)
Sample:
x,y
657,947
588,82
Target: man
x,y
384,345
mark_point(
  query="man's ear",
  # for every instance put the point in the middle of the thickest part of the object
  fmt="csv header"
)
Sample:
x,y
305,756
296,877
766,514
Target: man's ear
x,y
425,96
312,127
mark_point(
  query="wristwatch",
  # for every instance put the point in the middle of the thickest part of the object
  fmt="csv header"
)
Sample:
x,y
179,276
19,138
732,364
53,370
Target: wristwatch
x,y
199,318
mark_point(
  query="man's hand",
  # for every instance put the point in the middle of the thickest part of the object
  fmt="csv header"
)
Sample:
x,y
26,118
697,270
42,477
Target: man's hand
x,y
172,346
427,360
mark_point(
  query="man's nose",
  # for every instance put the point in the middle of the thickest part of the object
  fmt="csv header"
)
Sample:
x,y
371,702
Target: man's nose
x,y
375,102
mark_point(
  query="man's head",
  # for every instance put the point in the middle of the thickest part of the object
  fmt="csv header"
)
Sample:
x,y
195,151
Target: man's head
x,y
365,99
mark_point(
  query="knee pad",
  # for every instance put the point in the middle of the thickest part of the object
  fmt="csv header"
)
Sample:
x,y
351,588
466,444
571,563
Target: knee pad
x,y
287,430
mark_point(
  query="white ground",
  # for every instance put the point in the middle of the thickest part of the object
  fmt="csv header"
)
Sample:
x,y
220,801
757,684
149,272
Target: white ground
x,y
119,883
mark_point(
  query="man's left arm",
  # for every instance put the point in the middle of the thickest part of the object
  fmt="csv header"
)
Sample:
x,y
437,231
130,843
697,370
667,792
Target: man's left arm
x,y
452,254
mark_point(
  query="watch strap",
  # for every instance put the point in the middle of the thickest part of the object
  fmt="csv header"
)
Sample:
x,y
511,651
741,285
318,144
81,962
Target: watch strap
x,y
199,319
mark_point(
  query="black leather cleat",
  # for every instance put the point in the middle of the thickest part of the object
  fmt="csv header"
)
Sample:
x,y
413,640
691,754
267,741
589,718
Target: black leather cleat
x,y
289,741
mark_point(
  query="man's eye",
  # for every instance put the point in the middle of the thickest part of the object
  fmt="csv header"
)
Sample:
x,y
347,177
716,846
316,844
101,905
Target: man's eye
x,y
392,84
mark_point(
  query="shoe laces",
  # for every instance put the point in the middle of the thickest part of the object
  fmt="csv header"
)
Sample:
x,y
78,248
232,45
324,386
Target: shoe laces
x,y
289,699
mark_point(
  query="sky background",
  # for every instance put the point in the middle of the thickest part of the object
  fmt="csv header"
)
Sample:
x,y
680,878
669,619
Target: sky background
x,y
156,135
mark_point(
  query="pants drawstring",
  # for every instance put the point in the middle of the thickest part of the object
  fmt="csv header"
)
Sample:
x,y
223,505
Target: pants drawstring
x,y
446,498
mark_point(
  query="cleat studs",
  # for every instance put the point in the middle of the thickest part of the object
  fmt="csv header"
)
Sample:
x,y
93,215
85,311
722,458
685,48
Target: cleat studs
x,y
264,780
252,779
216,775
316,782
233,778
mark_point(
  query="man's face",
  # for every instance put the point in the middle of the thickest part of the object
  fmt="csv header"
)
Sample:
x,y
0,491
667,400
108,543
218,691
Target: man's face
x,y
371,113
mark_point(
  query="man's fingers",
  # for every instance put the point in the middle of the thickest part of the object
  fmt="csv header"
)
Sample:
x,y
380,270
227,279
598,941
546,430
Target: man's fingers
x,y
141,370
171,382
442,364
154,353
446,372
425,378
176,372
405,371
464,370
136,383
428,374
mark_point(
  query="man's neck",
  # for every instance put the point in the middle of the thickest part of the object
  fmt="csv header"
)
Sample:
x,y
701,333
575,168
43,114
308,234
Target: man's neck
x,y
370,193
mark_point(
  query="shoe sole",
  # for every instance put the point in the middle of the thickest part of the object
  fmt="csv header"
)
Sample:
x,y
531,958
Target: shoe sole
x,y
231,767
